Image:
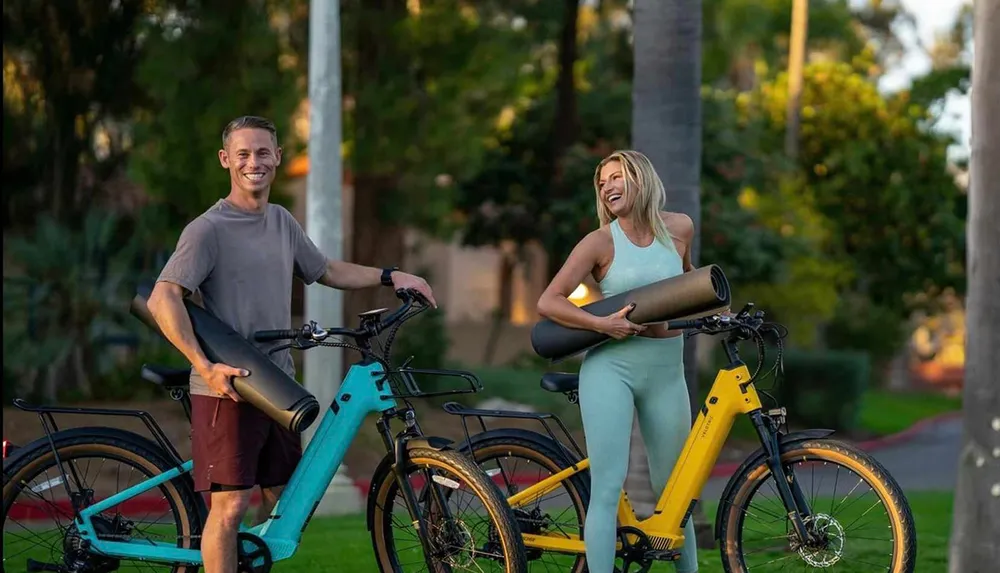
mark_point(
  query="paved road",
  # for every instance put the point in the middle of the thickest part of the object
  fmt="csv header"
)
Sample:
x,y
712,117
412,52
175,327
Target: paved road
x,y
926,461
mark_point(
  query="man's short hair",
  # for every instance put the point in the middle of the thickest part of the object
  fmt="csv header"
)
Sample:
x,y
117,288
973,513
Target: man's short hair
x,y
249,122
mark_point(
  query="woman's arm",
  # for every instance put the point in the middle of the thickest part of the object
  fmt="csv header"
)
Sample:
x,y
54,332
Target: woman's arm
x,y
554,303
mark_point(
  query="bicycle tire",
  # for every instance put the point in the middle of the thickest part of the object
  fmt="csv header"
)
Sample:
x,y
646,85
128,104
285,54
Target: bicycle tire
x,y
545,452
386,487
108,443
753,475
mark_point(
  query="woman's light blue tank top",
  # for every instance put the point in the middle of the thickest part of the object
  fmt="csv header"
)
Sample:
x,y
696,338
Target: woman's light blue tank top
x,y
634,266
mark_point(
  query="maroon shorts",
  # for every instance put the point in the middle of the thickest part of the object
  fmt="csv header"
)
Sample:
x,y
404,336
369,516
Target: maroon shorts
x,y
236,445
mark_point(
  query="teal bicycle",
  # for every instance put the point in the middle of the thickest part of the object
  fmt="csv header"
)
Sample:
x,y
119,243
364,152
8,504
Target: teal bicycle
x,y
120,499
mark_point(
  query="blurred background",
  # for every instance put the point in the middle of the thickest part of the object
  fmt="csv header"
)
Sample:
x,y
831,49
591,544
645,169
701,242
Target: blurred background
x,y
470,135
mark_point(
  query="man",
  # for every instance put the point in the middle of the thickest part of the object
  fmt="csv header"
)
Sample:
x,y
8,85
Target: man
x,y
240,256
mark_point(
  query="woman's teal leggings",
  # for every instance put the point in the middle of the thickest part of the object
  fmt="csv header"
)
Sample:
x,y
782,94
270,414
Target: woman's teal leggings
x,y
618,379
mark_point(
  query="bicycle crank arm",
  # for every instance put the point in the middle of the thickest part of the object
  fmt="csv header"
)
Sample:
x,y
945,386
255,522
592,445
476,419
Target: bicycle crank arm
x,y
38,567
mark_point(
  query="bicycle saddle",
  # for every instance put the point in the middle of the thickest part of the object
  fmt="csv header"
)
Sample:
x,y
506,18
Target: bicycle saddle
x,y
560,382
169,378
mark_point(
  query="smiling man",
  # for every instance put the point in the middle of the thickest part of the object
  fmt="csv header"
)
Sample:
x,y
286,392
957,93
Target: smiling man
x,y
241,256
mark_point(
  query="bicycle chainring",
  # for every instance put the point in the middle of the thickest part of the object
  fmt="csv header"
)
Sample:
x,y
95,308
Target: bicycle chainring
x,y
252,554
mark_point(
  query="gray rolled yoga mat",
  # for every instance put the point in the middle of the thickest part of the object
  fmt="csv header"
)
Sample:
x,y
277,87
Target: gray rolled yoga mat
x,y
701,292
267,387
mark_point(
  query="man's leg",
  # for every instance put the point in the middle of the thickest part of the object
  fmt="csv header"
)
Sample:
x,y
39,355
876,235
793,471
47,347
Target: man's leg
x,y
278,459
268,497
218,540
226,444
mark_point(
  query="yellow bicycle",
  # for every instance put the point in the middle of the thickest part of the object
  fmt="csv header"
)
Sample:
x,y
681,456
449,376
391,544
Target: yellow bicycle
x,y
802,501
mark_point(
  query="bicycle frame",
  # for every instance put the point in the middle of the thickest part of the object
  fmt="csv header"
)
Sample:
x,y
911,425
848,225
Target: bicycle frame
x,y
731,395
365,390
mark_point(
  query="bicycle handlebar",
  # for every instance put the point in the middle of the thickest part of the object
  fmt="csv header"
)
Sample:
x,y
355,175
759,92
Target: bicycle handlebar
x,y
313,333
743,321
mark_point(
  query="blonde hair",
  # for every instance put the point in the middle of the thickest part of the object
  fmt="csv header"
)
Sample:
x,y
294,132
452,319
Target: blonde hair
x,y
642,185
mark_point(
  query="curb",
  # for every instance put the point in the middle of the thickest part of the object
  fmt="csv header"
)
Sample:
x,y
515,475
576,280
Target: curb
x,y
874,444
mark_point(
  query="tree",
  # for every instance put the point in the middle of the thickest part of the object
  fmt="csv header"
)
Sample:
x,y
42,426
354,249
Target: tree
x,y
976,523
68,78
423,85
204,65
666,126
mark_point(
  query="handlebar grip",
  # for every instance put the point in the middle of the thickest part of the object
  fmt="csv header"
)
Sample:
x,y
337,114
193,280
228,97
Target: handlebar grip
x,y
272,335
683,324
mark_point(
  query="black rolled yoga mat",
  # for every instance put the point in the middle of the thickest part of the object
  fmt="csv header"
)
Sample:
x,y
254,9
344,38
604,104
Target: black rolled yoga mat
x,y
701,292
267,387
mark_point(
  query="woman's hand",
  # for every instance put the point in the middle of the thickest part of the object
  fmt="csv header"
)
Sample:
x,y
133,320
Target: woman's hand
x,y
618,326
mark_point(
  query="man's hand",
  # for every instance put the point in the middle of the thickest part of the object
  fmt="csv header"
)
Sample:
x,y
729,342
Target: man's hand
x,y
219,379
401,280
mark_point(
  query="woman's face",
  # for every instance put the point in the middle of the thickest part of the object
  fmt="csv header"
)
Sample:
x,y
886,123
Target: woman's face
x,y
611,185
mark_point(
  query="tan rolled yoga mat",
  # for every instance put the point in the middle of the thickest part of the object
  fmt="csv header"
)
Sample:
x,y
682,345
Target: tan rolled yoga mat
x,y
701,292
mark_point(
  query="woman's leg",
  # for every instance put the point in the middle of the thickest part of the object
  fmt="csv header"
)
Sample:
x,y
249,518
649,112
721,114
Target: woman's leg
x,y
606,405
664,414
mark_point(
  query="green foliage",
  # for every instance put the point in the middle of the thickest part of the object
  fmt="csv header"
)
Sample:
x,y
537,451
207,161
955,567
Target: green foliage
x,y
425,91
68,79
68,292
204,66
824,389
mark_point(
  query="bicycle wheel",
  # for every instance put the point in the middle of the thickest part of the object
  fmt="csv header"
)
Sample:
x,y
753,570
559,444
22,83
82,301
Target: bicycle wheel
x,y
518,459
482,536
861,516
100,462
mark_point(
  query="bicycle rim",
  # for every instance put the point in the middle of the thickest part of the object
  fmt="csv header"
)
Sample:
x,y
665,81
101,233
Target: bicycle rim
x,y
481,535
38,515
857,509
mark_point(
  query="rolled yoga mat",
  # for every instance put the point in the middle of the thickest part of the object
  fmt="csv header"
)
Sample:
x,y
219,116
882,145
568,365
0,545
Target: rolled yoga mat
x,y
267,387
701,292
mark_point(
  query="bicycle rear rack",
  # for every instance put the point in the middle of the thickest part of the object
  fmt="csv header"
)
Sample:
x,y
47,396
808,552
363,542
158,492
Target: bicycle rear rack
x,y
456,409
49,423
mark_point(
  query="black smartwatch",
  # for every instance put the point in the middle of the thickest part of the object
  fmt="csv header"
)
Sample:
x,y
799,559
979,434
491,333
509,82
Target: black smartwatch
x,y
387,276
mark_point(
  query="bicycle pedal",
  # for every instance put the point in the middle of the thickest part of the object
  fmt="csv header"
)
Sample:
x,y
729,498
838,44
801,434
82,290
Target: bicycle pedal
x,y
661,555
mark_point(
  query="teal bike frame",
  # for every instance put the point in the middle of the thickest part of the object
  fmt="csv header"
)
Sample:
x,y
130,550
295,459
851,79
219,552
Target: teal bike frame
x,y
365,390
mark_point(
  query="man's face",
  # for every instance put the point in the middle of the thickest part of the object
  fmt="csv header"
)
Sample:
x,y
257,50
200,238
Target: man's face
x,y
252,157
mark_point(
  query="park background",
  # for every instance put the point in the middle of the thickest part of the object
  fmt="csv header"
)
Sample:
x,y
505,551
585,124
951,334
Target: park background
x,y
470,135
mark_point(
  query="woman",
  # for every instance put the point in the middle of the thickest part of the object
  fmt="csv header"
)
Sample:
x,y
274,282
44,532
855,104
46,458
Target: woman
x,y
642,369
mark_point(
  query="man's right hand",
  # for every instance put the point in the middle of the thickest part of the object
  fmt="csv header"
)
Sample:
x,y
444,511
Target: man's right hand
x,y
219,379
618,326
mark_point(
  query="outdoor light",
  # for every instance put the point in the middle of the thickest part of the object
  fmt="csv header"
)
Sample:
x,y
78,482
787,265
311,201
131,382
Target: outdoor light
x,y
580,293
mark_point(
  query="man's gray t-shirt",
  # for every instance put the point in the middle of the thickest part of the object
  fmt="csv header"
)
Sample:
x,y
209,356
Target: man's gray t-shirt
x,y
243,264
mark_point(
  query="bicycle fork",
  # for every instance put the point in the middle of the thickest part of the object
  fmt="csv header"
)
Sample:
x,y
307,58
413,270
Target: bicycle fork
x,y
399,448
795,503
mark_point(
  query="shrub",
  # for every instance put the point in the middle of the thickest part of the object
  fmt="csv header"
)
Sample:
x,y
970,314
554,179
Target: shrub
x,y
824,388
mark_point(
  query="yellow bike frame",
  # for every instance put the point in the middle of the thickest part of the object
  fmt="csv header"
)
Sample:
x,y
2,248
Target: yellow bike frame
x,y
732,394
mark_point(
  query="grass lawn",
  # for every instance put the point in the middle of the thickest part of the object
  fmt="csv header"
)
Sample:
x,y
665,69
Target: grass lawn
x,y
343,544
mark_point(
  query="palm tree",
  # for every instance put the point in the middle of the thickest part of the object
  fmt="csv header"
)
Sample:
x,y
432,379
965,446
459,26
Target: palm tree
x,y
976,524
666,126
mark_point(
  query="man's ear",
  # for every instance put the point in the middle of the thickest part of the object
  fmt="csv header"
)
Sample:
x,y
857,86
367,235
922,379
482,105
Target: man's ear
x,y
277,156
224,158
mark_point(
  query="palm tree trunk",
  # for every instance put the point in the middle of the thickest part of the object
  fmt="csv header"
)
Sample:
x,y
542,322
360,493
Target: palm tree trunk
x,y
976,522
666,126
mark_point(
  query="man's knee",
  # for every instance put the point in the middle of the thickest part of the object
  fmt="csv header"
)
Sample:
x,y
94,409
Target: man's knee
x,y
229,507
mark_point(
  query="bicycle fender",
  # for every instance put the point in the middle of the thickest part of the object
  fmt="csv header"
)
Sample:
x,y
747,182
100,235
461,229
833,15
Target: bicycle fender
x,y
785,442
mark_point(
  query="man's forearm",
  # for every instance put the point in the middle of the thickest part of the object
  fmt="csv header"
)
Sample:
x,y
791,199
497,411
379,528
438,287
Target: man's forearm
x,y
350,276
175,324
